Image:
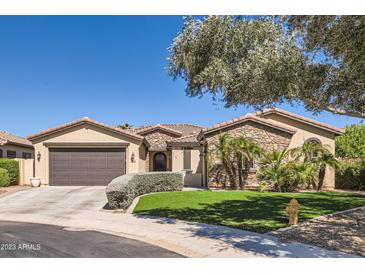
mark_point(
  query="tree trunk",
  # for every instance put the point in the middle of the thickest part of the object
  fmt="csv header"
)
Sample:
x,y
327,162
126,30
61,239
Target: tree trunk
x,y
231,174
321,174
240,177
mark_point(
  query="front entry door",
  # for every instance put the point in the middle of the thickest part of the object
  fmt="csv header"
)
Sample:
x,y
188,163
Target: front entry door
x,y
159,162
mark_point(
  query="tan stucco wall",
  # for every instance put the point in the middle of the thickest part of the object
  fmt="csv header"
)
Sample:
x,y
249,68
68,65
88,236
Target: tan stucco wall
x,y
178,160
194,179
26,167
85,134
305,132
18,149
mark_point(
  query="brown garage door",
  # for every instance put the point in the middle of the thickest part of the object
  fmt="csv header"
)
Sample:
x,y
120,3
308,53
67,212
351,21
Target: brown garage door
x,y
85,166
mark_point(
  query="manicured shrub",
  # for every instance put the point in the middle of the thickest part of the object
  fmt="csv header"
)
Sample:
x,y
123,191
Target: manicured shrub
x,y
122,190
12,167
351,175
4,178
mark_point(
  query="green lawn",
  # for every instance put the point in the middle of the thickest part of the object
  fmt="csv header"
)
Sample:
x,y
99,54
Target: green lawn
x,y
255,211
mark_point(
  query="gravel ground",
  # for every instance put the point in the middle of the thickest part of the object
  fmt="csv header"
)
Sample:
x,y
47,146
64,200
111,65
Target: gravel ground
x,y
343,232
4,191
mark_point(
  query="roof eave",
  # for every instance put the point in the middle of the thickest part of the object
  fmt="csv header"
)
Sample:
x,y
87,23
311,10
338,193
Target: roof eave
x,y
275,111
77,123
208,131
154,128
18,144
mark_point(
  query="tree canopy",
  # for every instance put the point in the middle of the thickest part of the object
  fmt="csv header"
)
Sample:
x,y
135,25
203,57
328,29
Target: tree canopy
x,y
263,61
352,143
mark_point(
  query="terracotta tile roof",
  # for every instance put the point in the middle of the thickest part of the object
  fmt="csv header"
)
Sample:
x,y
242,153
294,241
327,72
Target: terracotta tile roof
x,y
249,117
294,116
147,129
8,138
191,139
181,131
85,120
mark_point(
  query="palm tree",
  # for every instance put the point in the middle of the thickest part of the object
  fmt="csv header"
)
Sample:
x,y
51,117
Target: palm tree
x,y
246,151
302,174
324,160
125,126
318,154
274,170
223,151
309,151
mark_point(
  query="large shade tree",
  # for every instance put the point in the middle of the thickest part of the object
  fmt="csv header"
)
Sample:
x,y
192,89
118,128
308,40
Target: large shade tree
x,y
352,143
263,61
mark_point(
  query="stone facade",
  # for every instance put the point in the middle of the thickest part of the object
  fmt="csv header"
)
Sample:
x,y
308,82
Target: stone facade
x,y
158,139
269,138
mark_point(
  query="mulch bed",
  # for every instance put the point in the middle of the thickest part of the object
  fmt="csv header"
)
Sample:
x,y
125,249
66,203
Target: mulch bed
x,y
344,232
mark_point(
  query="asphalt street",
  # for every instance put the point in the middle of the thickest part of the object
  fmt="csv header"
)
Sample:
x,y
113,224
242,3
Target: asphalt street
x,y
27,240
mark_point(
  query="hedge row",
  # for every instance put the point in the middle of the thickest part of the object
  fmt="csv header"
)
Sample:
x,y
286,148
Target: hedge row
x,y
12,167
122,190
351,175
4,178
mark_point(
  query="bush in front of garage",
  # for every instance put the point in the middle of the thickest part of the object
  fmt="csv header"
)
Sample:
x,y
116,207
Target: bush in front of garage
x,y
122,190
12,166
4,178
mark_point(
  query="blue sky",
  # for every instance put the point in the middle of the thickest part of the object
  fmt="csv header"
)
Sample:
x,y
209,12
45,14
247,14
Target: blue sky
x,y
56,69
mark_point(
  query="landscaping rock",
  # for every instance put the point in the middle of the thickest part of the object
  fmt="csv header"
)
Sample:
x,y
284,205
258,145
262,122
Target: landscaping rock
x,y
344,232
122,190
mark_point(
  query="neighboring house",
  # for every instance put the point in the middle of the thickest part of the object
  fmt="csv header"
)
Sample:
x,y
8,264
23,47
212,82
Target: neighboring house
x,y
87,152
15,147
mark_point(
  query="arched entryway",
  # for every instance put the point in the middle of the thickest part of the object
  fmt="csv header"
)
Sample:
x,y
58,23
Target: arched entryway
x,y
159,162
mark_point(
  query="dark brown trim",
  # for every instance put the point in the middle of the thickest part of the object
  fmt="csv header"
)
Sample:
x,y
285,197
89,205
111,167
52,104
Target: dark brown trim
x,y
86,144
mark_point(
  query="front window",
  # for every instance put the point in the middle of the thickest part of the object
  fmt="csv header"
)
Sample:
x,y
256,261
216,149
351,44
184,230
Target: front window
x,y
26,155
187,158
11,154
314,152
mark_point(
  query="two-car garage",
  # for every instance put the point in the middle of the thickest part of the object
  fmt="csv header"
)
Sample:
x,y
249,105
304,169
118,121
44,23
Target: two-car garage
x,y
86,153
85,166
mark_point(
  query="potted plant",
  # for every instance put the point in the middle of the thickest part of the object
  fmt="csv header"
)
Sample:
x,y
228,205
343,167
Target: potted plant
x,y
35,181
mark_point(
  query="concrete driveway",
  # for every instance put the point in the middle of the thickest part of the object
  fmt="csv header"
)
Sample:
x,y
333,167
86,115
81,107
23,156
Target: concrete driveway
x,y
81,208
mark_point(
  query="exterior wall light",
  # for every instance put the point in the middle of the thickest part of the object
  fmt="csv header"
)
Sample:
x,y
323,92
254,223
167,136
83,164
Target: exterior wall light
x,y
133,157
38,156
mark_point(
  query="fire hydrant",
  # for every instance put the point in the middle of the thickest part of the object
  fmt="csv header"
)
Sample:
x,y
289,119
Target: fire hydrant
x,y
293,210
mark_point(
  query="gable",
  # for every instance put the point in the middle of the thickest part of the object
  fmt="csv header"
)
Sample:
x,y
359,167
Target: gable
x,y
296,120
303,127
83,121
84,133
268,137
158,138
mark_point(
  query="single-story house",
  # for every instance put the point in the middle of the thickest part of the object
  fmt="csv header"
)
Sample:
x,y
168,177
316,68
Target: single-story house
x,y
87,152
15,147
